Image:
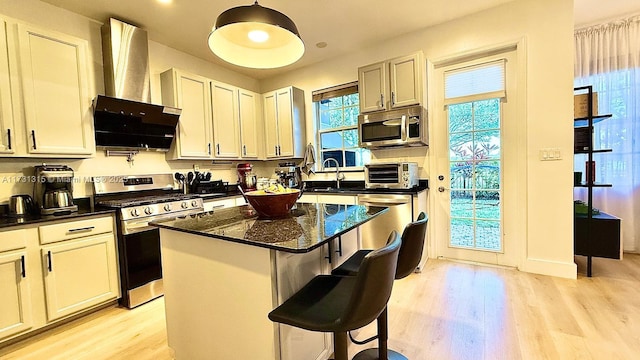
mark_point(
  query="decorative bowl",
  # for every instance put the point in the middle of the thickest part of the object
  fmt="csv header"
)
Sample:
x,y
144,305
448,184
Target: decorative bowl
x,y
272,205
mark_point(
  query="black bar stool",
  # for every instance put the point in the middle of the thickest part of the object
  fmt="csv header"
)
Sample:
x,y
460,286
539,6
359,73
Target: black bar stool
x,y
408,259
337,304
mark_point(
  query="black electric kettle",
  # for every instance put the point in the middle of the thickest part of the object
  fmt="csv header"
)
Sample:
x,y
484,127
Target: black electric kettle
x,y
21,205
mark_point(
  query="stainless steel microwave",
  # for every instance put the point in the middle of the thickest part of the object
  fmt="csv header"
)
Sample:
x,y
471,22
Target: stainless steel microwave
x,y
399,127
395,175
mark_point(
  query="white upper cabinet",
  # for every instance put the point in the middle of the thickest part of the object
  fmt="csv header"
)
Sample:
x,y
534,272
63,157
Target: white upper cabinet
x,y
284,123
372,87
218,121
57,103
191,93
249,120
405,80
226,121
390,84
7,128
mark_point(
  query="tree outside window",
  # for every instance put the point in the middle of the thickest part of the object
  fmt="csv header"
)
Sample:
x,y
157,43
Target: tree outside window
x,y
337,119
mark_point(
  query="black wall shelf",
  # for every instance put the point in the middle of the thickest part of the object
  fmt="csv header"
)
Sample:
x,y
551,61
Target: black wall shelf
x,y
594,235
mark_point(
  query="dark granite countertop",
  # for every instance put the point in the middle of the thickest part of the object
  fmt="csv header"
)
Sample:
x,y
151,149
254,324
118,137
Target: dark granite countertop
x,y
347,187
9,220
351,187
309,226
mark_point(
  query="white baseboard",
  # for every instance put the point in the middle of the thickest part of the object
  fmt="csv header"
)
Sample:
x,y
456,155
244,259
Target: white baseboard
x,y
552,268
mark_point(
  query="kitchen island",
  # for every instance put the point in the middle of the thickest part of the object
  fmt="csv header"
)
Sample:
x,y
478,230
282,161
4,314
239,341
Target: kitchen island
x,y
224,271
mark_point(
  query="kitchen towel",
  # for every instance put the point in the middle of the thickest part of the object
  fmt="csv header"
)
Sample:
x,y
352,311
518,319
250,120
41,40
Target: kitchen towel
x,y
309,159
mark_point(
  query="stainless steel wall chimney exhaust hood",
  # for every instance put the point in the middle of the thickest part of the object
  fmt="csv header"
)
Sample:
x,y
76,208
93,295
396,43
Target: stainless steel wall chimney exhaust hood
x,y
124,118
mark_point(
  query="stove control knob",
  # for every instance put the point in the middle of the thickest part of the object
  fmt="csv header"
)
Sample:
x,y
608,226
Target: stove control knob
x,y
194,203
148,210
135,212
167,207
184,205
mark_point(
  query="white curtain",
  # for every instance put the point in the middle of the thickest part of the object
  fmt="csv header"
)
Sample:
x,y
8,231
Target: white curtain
x,y
608,58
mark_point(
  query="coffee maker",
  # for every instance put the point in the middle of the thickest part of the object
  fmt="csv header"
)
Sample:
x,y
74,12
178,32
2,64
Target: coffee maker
x,y
289,175
53,190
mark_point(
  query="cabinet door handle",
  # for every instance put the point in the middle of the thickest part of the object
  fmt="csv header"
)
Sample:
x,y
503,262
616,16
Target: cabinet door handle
x,y
49,265
218,149
88,228
33,137
328,257
23,270
381,100
244,150
209,146
276,149
339,251
393,99
9,139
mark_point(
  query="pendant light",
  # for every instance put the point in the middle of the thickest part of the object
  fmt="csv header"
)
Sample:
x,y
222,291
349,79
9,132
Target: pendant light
x,y
257,37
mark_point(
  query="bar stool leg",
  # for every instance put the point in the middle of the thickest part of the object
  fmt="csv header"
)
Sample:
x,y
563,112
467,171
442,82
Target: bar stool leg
x,y
340,346
383,337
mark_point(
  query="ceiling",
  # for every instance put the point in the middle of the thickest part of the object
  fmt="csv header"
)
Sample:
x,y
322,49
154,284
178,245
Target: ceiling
x,y
345,25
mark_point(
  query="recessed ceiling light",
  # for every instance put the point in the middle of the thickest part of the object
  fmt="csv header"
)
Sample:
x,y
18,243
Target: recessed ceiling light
x,y
165,1
321,44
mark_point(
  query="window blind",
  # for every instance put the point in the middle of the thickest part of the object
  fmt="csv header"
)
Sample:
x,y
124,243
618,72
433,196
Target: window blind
x,y
335,91
476,82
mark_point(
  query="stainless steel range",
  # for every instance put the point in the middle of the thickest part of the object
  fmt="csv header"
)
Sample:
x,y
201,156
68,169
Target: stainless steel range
x,y
139,200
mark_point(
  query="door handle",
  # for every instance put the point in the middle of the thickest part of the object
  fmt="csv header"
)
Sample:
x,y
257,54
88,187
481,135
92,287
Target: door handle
x,y
49,265
33,136
9,139
381,100
442,188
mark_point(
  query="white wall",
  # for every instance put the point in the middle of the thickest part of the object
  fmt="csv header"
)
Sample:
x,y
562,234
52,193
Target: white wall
x,y
161,58
545,28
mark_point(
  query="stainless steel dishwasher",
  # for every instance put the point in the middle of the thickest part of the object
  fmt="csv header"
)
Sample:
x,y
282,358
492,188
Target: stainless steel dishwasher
x,y
374,233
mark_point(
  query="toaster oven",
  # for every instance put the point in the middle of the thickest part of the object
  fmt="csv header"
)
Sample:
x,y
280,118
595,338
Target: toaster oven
x,y
395,175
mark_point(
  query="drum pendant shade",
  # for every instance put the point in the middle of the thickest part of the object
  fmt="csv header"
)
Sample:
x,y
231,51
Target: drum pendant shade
x,y
256,37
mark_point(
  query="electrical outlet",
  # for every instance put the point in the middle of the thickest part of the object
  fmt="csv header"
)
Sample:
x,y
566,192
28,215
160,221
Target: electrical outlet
x,y
196,167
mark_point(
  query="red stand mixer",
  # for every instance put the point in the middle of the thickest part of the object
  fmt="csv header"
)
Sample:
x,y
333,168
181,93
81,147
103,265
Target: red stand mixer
x,y
246,177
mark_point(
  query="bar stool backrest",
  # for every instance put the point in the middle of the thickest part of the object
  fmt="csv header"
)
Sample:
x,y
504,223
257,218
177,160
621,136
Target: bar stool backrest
x,y
412,246
373,284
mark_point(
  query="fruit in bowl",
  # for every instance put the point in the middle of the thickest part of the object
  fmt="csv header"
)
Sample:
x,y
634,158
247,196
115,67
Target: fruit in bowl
x,y
273,202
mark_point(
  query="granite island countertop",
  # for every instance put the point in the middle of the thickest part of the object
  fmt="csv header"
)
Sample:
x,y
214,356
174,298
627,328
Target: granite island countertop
x,y
308,227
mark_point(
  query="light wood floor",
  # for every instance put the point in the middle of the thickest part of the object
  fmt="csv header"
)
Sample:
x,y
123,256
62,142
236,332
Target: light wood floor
x,y
449,311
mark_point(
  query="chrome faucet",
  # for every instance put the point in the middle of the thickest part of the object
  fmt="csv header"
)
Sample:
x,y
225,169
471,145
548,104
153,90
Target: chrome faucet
x,y
339,176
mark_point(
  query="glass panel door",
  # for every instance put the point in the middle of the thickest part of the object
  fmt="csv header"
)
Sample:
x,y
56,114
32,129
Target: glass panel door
x,y
475,172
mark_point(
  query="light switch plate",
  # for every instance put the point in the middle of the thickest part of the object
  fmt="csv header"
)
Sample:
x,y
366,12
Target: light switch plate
x,y
549,154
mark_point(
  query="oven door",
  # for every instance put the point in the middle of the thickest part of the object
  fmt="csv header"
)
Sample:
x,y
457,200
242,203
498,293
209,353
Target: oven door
x,y
142,258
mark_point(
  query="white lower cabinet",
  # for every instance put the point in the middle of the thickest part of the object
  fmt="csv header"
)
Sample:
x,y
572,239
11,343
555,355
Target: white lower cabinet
x,y
293,272
47,274
15,311
344,247
79,274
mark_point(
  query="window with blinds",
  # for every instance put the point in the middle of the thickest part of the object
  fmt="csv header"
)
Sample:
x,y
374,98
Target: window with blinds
x,y
477,82
336,112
